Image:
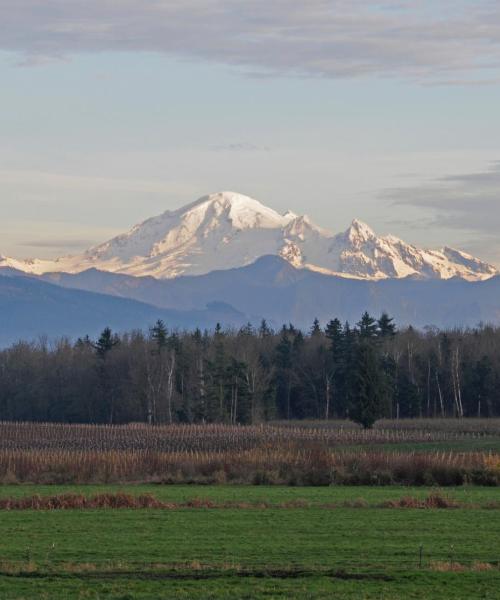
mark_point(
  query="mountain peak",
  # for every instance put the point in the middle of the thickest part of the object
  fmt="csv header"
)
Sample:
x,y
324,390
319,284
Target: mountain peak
x,y
228,199
226,230
360,231
241,211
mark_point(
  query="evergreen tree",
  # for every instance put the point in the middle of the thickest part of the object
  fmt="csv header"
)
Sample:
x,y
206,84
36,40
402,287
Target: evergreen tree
x,y
83,343
106,342
386,326
247,330
159,334
482,387
337,347
368,328
407,396
217,373
335,335
367,388
315,328
196,375
283,361
103,347
250,376
264,330
298,342
390,369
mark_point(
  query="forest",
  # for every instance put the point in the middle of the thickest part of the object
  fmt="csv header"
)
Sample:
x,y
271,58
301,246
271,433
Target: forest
x,y
364,372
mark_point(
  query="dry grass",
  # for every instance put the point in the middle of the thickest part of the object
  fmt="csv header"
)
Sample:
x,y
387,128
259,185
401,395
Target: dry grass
x,y
432,501
55,453
129,501
356,503
122,500
79,501
289,465
456,567
220,437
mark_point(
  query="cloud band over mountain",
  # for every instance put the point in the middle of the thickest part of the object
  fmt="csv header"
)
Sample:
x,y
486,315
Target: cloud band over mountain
x,y
468,202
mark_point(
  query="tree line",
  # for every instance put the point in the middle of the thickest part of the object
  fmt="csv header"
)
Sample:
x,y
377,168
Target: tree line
x,y
255,374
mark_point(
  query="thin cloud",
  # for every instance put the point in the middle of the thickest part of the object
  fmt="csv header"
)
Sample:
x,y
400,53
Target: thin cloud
x,y
451,41
239,147
467,202
58,243
39,60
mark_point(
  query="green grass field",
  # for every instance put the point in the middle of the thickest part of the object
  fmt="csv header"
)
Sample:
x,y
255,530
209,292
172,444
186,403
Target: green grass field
x,y
270,494
313,552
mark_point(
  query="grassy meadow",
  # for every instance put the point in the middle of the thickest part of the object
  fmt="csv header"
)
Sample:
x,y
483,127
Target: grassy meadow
x,y
305,542
212,535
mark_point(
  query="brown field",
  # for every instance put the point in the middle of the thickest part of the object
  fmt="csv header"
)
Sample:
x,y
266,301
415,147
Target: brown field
x,y
441,452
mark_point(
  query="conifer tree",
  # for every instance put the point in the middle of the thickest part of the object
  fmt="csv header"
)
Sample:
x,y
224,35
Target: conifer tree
x,y
335,336
284,373
106,342
264,330
217,373
337,347
367,390
159,334
386,326
368,327
315,328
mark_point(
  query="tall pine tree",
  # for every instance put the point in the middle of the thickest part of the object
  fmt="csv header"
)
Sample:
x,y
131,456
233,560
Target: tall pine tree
x,y
366,386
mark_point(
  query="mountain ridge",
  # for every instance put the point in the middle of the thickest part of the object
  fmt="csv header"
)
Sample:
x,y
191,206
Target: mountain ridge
x,y
229,230
272,288
32,308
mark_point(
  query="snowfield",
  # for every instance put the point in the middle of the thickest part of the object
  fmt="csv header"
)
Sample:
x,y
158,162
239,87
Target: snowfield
x,y
227,230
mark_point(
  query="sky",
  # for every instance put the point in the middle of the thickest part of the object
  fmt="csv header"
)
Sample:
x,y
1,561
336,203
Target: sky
x,y
112,112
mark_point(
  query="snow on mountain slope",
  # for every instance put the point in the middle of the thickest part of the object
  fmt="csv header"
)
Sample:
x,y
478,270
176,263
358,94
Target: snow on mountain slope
x,y
27,266
359,252
219,231
226,230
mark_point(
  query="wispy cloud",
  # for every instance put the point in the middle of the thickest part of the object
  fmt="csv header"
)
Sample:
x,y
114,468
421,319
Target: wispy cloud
x,y
55,243
467,202
39,60
49,180
239,147
450,41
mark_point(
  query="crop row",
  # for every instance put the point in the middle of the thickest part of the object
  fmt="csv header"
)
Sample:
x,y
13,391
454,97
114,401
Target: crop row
x,y
213,437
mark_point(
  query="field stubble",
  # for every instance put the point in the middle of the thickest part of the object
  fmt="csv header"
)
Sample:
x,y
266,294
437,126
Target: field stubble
x,y
422,452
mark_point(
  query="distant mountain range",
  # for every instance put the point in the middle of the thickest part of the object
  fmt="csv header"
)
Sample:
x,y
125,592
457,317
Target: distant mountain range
x,y
274,289
68,304
31,308
226,258
228,230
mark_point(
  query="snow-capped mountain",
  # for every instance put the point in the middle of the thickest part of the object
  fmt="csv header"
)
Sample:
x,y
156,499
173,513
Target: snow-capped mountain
x,y
227,230
359,252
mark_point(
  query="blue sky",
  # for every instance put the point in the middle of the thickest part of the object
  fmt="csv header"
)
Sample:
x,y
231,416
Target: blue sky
x,y
113,112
